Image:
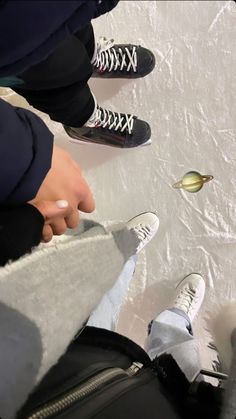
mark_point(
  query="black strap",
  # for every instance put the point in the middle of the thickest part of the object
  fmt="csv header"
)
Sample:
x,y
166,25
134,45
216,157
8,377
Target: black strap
x,y
204,400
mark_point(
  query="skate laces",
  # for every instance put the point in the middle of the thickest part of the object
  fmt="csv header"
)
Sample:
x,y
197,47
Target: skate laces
x,y
114,120
186,297
110,58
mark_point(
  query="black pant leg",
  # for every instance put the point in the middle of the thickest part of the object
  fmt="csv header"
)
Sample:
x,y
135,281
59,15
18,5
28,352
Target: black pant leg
x,y
58,85
86,36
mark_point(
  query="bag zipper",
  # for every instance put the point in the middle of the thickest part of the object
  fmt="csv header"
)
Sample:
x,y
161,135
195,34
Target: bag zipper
x,y
83,390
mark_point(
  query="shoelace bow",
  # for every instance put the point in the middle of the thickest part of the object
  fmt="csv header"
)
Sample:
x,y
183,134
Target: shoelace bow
x,y
110,59
114,120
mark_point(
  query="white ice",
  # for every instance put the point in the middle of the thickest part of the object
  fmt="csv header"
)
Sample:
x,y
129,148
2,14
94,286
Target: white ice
x,y
190,102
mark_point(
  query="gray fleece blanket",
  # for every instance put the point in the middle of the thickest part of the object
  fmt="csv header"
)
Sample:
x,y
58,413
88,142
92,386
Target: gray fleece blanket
x,y
46,297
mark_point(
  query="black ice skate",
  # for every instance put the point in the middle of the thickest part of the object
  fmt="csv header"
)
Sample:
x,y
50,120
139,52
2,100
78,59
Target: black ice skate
x,y
112,129
121,60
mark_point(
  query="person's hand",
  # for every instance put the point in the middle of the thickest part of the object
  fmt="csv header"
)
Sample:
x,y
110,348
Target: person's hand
x,y
52,211
64,181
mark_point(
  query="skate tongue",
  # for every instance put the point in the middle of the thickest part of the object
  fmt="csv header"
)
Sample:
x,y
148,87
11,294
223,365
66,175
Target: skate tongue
x,y
104,44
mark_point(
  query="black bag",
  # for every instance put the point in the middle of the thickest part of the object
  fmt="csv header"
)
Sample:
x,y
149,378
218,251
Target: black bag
x,y
105,375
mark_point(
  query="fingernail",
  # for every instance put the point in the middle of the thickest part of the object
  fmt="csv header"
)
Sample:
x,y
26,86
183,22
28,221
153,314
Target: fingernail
x,y
62,204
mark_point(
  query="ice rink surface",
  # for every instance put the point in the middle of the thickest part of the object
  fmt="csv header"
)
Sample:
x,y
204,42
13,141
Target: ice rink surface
x,y
190,102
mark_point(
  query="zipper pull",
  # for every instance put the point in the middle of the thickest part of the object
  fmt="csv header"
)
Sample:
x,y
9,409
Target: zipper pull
x,y
134,368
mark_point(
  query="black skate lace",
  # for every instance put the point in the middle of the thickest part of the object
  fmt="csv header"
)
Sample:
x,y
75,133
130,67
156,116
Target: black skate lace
x,y
110,59
114,120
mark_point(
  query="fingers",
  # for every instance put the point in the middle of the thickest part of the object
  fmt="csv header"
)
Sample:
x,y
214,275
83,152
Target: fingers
x,y
58,226
58,217
47,234
73,220
51,209
87,203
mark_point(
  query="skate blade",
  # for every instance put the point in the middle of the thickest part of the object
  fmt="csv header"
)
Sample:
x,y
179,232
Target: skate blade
x,y
90,143
148,142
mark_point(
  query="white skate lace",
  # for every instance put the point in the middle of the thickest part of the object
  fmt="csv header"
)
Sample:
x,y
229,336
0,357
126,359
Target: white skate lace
x,y
110,59
186,298
114,120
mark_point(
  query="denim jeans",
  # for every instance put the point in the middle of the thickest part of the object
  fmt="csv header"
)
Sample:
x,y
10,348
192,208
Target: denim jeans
x,y
170,332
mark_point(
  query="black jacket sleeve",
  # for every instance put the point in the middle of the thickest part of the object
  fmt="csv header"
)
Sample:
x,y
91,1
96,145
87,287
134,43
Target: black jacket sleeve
x,y
25,154
20,230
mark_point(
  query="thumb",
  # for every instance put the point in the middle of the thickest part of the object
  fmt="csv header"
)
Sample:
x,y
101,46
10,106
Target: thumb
x,y
53,209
